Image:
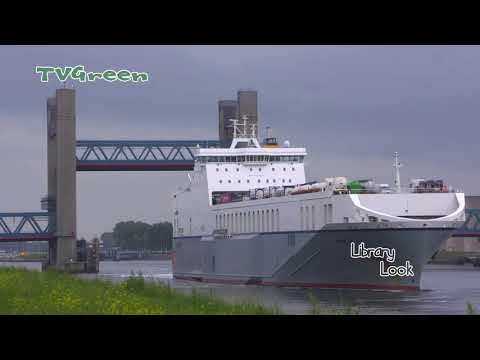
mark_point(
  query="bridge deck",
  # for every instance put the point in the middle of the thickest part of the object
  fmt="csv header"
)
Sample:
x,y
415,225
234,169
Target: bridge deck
x,y
138,155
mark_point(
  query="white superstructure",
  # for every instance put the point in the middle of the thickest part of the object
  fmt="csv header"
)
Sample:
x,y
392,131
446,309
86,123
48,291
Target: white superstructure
x,y
252,187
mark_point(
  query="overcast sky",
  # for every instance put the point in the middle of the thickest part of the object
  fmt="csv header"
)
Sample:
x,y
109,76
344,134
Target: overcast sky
x,y
351,106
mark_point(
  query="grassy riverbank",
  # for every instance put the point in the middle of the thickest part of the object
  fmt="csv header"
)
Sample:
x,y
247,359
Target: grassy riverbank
x,y
33,292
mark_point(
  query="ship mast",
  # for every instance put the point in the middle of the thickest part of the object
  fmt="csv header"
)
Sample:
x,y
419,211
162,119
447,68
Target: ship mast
x,y
397,165
237,132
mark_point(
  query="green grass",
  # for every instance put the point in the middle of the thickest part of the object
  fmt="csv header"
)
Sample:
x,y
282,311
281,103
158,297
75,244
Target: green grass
x,y
33,292
471,310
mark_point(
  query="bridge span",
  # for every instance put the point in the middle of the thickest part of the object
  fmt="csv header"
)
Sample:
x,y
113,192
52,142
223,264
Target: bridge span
x,y
139,155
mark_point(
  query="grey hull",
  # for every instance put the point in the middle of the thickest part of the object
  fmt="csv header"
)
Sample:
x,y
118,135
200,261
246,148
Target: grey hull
x,y
308,258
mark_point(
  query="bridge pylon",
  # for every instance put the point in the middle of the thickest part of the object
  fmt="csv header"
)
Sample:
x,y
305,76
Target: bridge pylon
x,y
61,199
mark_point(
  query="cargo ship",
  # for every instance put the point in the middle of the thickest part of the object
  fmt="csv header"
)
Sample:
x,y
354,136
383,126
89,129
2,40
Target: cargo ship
x,y
247,215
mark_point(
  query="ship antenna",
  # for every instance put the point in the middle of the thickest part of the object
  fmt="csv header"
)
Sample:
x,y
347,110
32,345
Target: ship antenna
x,y
244,118
253,127
397,165
235,122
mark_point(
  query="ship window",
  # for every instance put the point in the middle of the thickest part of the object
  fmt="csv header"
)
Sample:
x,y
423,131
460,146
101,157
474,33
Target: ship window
x,y
248,181
301,217
239,181
220,181
289,180
268,220
226,169
284,169
217,169
273,220
251,169
307,222
273,169
259,181
278,221
273,180
258,220
283,180
229,181
238,169
259,169
313,217
293,169
345,219
263,221
267,181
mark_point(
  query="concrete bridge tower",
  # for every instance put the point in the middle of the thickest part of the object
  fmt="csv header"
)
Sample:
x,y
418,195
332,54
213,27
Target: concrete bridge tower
x,y
61,198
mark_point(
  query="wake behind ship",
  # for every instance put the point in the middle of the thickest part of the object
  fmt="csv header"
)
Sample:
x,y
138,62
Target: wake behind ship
x,y
247,216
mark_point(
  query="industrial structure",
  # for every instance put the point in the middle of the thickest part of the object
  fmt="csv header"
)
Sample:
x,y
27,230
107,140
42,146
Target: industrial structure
x,y
245,105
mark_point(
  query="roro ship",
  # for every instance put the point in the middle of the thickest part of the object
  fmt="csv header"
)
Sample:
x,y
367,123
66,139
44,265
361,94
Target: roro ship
x,y
247,215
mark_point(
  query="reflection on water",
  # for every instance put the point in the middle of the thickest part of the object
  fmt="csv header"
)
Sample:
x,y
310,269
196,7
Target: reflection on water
x,y
446,290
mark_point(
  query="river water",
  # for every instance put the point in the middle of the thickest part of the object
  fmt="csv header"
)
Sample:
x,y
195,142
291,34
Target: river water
x,y
445,290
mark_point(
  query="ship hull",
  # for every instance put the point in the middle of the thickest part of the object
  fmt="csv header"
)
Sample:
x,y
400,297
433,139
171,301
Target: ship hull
x,y
321,258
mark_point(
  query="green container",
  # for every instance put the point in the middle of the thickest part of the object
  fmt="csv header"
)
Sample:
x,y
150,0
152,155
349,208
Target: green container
x,y
354,186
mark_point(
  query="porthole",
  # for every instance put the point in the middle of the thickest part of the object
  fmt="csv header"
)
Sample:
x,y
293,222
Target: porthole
x,y
283,180
267,181
229,181
259,169
251,169
273,169
289,180
218,169
239,181
238,169
248,181
284,169
293,169
259,181
226,169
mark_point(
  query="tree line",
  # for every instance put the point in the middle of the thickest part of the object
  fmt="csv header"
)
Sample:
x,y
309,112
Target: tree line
x,y
137,235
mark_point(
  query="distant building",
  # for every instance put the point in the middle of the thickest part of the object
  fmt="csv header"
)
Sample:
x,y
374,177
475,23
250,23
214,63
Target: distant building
x,y
107,240
246,104
29,246
467,244
227,109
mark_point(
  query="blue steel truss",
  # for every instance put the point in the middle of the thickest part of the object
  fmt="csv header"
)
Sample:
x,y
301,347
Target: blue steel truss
x,y
142,155
26,226
471,226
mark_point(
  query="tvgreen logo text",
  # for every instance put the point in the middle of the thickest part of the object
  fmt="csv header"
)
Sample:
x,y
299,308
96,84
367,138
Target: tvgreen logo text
x,y
78,73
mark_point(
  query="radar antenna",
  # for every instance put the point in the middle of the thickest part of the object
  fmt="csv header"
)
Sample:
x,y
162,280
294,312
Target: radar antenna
x,y
253,127
237,132
397,165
